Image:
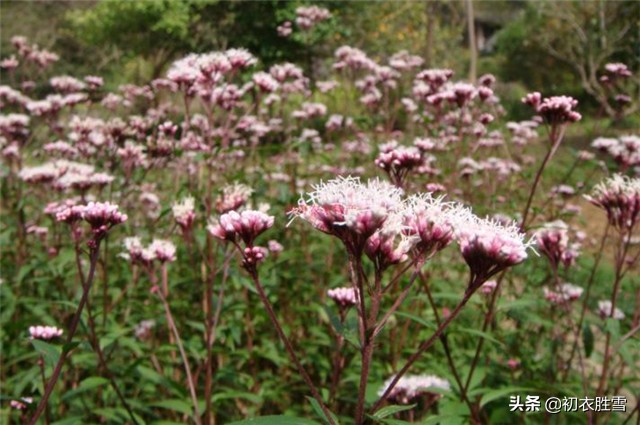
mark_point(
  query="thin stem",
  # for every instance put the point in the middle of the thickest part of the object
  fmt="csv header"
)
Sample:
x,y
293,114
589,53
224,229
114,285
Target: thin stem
x,y
292,354
70,334
447,350
398,302
183,354
622,253
429,342
585,300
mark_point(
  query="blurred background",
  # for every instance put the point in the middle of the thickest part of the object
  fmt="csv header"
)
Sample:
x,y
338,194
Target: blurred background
x,y
556,45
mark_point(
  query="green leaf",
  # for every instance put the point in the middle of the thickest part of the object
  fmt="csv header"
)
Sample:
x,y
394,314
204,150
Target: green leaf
x,y
391,410
587,340
319,412
275,420
502,392
480,334
49,352
86,385
235,395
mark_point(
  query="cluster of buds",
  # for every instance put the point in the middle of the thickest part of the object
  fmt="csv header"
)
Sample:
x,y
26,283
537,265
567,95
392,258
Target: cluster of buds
x,y
555,110
245,226
564,294
160,250
619,196
101,216
624,150
308,17
410,387
615,71
44,332
399,161
553,241
344,297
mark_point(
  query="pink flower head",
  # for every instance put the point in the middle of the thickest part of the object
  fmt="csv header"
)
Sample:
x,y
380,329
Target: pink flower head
x,y
617,70
21,404
247,225
431,222
348,209
619,196
44,332
254,255
240,58
409,387
554,110
265,82
553,242
605,311
344,297
285,29
184,212
564,294
488,287
390,244
163,250
275,247
233,197
308,17
513,364
489,247
398,162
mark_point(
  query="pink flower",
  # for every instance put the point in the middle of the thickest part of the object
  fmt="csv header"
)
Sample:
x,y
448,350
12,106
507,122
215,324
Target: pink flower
x,y
564,294
619,196
410,387
348,209
275,247
184,212
513,364
163,250
555,109
488,287
233,197
605,311
247,225
285,29
489,247
344,297
21,404
398,162
44,332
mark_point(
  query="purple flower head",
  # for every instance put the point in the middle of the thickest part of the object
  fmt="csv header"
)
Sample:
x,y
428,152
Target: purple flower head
x,y
344,297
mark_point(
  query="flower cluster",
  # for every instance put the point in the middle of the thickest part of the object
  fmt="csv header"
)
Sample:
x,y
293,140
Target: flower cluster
x,y
161,250
184,213
410,387
489,247
553,241
624,150
344,297
619,196
308,17
44,332
564,294
555,110
246,225
604,310
101,216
